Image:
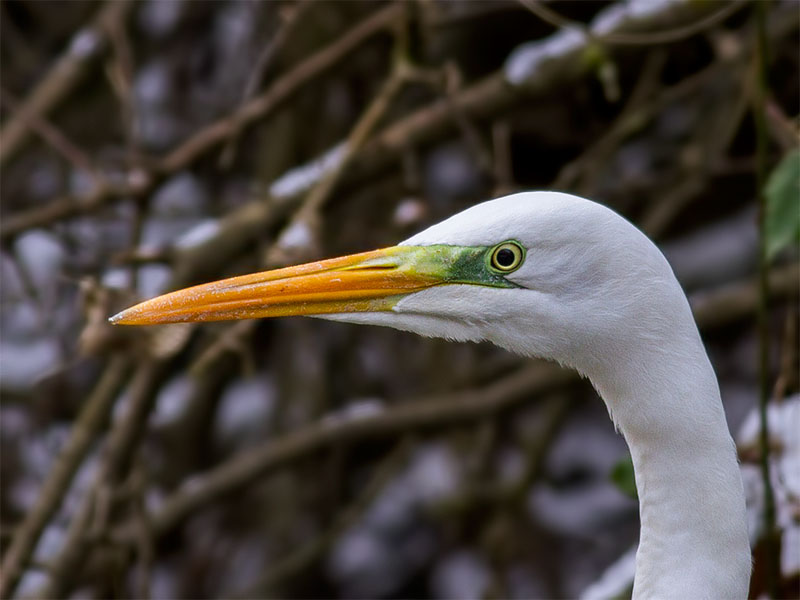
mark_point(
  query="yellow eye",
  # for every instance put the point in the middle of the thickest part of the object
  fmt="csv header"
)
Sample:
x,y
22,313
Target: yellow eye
x,y
507,257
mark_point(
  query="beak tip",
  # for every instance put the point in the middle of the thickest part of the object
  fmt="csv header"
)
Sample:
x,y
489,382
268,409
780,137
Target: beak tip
x,y
118,319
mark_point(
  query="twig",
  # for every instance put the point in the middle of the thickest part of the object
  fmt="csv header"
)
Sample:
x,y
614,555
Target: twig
x,y
788,372
486,97
300,558
307,215
122,442
512,495
420,414
233,339
88,424
120,70
206,139
291,19
739,300
771,535
453,83
60,80
784,131
555,413
50,134
140,183
281,89
145,545
503,165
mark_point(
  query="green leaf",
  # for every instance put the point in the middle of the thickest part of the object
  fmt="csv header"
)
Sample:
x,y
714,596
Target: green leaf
x,y
622,476
782,225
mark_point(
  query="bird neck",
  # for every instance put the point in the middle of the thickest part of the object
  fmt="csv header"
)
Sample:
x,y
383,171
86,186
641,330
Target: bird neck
x,y
665,400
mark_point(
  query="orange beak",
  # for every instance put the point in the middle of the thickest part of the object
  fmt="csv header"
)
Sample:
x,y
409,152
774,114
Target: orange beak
x,y
371,281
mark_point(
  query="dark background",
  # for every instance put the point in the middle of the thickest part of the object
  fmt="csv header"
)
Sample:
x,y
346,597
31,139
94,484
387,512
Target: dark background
x,y
151,145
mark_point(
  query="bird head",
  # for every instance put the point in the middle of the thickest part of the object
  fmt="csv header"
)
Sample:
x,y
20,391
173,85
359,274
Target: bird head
x,y
539,273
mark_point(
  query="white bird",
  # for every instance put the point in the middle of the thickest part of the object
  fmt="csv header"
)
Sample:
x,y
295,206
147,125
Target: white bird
x,y
555,276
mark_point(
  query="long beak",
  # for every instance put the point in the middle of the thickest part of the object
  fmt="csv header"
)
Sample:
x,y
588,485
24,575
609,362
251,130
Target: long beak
x,y
371,281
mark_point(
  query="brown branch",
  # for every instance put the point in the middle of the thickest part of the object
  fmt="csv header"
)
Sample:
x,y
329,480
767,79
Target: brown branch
x,y
50,134
122,442
68,70
735,301
209,137
300,558
291,18
87,426
424,413
308,213
281,89
64,207
484,98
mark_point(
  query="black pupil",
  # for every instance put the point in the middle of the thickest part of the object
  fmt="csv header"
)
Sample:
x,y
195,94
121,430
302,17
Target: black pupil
x,y
505,257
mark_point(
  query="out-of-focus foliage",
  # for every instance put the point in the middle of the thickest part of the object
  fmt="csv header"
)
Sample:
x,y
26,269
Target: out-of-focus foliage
x,y
783,205
623,477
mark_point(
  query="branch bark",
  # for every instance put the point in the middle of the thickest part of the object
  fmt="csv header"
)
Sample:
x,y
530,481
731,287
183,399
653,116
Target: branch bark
x,y
88,425
61,79
209,137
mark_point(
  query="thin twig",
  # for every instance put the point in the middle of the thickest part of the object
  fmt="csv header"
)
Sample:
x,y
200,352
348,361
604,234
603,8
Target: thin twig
x,y
771,535
424,413
484,98
299,559
68,70
122,442
281,89
308,213
143,181
87,426
50,134
290,21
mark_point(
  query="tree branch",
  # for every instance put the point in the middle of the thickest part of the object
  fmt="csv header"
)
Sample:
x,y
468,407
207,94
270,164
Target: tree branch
x,y
64,75
86,428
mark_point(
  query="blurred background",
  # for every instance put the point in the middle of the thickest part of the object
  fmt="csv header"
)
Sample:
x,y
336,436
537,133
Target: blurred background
x,y
150,145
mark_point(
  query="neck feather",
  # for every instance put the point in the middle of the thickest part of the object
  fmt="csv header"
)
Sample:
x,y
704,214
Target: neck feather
x,y
665,400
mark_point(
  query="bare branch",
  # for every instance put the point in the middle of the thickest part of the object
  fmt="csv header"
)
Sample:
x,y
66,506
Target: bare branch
x,y
88,425
61,79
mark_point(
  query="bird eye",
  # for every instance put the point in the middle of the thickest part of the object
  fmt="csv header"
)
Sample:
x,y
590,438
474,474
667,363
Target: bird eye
x,y
506,257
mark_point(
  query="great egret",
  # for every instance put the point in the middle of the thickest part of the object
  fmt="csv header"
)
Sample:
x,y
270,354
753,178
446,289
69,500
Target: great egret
x,y
556,276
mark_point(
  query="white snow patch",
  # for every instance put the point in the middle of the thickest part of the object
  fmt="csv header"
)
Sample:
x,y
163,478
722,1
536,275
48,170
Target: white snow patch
x,y
84,43
245,410
783,419
22,364
462,575
526,59
173,401
200,233
116,278
42,255
615,580
303,177
297,235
